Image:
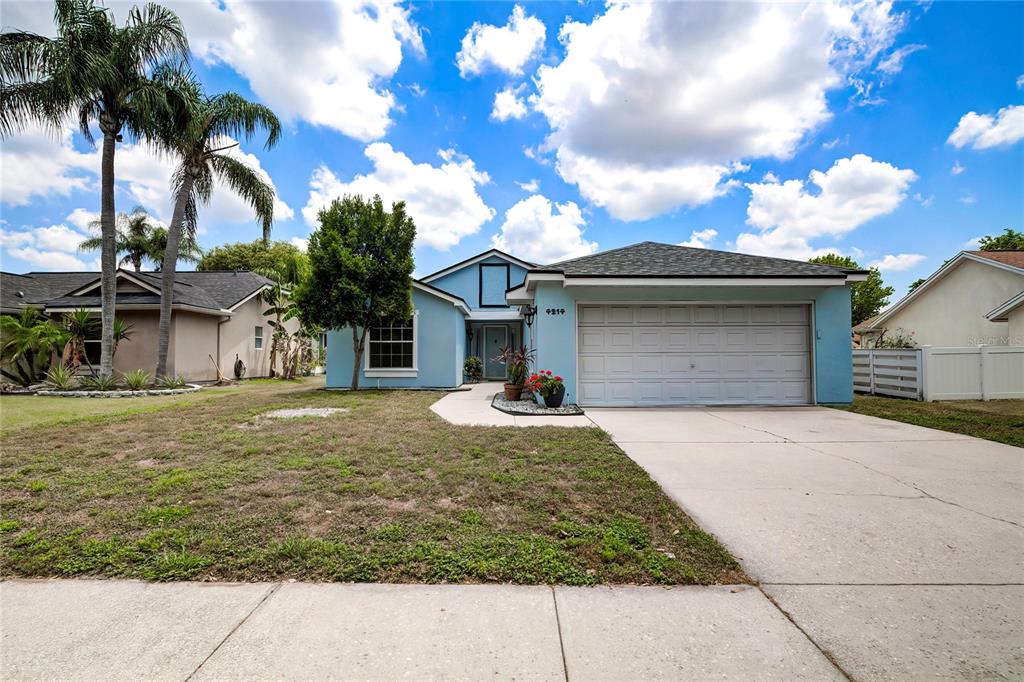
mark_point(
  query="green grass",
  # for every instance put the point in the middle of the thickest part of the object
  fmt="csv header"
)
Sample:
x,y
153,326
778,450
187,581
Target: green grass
x,y
19,411
998,420
387,492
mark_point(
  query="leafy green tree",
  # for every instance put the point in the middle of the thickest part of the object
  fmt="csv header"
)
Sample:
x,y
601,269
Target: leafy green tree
x,y
198,137
256,256
99,72
27,341
1009,240
915,284
867,298
139,239
360,269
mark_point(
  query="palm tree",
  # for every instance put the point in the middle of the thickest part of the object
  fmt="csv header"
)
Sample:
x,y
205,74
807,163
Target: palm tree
x,y
139,239
26,344
198,137
98,71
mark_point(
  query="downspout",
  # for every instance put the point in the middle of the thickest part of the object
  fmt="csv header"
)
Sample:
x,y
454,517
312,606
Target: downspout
x,y
220,323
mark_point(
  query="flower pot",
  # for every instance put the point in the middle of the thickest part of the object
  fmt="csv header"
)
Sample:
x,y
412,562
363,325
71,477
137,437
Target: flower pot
x,y
513,392
555,399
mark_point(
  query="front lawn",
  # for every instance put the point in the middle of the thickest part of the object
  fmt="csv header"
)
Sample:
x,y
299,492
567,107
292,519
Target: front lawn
x,y
998,420
385,492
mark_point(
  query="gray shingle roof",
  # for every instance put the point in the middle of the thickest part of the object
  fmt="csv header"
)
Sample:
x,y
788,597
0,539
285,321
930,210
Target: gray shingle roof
x,y
652,259
214,290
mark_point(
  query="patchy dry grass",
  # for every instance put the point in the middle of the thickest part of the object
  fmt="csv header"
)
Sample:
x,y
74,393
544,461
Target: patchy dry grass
x,y
385,492
998,420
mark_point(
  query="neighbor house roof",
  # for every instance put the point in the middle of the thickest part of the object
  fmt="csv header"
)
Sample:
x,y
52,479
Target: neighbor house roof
x,y
652,259
1001,313
214,290
1013,258
1006,260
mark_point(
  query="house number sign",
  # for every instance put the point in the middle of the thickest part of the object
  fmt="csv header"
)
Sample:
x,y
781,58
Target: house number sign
x,y
555,311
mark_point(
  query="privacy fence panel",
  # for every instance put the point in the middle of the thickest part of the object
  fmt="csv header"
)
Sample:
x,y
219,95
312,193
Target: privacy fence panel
x,y
934,373
888,372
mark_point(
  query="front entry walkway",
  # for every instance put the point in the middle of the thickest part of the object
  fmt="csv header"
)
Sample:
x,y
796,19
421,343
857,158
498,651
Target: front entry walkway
x,y
898,549
473,408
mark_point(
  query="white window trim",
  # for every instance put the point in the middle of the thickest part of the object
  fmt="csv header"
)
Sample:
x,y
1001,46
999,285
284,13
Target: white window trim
x,y
397,372
257,341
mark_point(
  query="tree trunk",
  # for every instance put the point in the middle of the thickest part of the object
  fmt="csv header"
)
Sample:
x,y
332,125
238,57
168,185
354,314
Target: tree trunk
x,y
358,342
108,254
168,271
137,262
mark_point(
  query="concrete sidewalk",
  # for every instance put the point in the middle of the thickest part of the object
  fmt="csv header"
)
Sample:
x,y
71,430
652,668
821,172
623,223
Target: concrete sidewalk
x,y
473,408
115,629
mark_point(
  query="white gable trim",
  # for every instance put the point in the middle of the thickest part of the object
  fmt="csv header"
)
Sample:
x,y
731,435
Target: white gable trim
x,y
948,267
120,274
1000,313
474,260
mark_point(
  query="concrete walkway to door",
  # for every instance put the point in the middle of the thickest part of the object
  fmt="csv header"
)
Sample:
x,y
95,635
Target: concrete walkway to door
x,y
473,408
898,550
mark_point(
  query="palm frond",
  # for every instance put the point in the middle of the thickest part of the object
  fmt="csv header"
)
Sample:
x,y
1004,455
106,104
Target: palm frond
x,y
231,115
248,184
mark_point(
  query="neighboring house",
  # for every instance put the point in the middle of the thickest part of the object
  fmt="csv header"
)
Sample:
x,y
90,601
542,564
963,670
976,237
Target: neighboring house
x,y
216,314
974,298
648,324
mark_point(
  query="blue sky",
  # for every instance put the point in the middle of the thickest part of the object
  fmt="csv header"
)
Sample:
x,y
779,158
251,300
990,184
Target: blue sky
x,y
782,130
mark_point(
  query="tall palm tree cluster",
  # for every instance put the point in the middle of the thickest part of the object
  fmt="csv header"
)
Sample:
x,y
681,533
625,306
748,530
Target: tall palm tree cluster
x,y
131,81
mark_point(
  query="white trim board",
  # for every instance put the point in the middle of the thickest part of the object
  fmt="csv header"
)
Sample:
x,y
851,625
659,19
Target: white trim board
x,y
398,372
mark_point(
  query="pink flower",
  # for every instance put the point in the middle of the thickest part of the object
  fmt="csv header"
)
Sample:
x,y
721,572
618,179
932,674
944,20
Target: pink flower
x,y
558,378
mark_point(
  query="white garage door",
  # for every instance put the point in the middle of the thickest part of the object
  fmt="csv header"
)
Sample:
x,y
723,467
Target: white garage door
x,y
694,354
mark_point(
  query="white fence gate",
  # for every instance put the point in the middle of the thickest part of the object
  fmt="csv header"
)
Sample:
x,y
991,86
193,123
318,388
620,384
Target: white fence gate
x,y
934,373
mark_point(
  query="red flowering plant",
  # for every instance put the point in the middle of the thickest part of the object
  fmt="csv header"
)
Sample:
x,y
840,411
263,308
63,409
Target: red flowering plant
x,y
545,383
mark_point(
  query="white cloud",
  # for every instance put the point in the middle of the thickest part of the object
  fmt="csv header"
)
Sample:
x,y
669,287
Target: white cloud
x,y
83,218
530,187
507,104
957,169
897,262
700,239
506,48
323,62
676,95
769,177
925,201
53,247
852,192
38,164
301,243
968,199
893,63
538,230
983,131
973,243
442,200
1020,81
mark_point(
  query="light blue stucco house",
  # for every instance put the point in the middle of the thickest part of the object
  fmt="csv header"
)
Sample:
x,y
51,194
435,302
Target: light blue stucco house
x,y
644,325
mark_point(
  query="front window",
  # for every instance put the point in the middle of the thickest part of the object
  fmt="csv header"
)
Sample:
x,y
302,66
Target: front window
x,y
392,346
258,338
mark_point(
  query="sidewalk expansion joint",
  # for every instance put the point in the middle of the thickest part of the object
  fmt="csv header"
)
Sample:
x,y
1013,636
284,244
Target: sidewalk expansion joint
x,y
233,630
558,624
824,652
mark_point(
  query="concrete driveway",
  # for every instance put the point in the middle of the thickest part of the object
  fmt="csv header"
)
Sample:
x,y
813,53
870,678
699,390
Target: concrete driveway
x,y
899,550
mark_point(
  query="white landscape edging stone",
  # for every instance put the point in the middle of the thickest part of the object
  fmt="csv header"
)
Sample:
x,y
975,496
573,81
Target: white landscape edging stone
x,y
190,388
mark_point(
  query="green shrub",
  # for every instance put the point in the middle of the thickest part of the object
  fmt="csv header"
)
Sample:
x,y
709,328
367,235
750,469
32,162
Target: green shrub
x,y
61,378
136,380
171,382
100,383
473,368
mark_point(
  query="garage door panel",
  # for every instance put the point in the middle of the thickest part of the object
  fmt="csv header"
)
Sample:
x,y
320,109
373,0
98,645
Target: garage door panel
x,y
694,354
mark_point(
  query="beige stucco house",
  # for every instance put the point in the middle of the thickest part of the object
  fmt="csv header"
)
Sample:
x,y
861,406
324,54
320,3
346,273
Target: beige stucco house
x,y
975,298
215,315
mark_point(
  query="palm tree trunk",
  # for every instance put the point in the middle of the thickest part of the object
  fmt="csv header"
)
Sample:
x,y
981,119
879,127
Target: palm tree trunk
x,y
108,255
168,272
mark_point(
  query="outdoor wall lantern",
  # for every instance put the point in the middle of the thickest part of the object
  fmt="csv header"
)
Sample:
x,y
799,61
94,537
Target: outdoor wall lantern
x,y
528,312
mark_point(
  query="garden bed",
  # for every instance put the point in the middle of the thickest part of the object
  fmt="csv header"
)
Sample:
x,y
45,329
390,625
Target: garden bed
x,y
532,407
118,393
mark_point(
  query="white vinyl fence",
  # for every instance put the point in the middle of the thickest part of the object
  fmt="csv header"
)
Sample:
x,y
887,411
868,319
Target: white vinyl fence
x,y
933,373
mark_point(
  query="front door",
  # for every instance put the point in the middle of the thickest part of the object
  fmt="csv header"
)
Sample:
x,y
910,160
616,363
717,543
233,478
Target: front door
x,y
495,338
